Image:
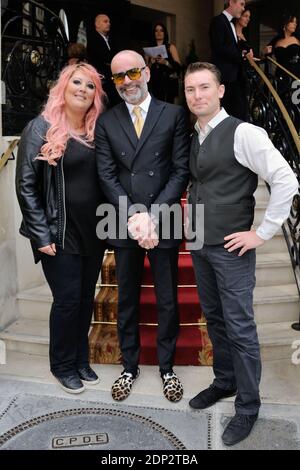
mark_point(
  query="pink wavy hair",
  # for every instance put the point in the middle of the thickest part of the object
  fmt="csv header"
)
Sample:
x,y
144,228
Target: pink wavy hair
x,y
54,112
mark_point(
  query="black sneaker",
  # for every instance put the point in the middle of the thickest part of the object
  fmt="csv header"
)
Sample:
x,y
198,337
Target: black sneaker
x,y
209,397
238,429
88,376
71,383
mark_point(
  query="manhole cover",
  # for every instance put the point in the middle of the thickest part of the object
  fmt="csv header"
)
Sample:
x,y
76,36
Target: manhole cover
x,y
86,428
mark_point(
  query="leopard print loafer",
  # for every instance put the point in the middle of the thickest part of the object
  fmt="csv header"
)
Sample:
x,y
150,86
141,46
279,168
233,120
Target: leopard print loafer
x,y
172,387
121,388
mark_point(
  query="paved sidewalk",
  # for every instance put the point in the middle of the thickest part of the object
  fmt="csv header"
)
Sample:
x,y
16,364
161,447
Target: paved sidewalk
x,y
36,414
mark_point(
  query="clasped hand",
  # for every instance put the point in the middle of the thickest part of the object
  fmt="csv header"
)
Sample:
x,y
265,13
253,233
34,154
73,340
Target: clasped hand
x,y
142,229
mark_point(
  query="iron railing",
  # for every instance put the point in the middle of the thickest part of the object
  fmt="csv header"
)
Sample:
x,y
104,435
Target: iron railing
x,y
9,153
272,105
33,52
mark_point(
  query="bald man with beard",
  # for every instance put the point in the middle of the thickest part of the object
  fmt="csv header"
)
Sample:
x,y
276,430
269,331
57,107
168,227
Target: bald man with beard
x,y
142,149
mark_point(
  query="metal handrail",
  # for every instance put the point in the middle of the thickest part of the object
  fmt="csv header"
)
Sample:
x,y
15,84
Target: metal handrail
x,y
32,56
8,152
278,100
289,228
283,68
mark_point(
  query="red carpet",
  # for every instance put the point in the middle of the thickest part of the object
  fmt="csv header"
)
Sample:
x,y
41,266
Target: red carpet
x,y
193,345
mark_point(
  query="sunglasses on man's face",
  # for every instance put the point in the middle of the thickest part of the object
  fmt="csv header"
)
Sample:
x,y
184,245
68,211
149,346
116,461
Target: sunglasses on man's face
x,y
133,74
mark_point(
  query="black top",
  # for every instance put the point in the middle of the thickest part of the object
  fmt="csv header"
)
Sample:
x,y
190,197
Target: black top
x,y
244,45
289,57
82,197
165,78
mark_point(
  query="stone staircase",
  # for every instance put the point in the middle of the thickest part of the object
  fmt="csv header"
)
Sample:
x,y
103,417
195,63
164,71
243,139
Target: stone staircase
x,y
276,303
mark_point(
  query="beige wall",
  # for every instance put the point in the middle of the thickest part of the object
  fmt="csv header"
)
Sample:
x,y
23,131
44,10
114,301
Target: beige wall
x,y
192,21
218,6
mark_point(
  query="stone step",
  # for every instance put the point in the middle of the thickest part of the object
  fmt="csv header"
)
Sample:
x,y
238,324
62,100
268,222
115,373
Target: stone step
x,y
27,336
277,341
272,269
277,244
35,303
262,194
260,210
274,304
31,337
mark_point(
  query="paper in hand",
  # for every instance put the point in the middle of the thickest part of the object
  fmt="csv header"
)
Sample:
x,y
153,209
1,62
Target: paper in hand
x,y
158,51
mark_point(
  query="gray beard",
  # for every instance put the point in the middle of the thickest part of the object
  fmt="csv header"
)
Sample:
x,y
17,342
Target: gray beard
x,y
138,98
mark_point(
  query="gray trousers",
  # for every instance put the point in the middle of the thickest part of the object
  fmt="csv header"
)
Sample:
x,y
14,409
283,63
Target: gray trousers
x,y
225,285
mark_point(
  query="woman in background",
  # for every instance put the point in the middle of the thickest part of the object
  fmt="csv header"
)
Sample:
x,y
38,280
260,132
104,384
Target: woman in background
x,y
286,48
240,24
246,51
164,83
76,53
58,193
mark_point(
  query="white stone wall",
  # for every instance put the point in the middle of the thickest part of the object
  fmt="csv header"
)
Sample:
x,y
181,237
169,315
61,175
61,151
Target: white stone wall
x,y
8,267
192,22
17,269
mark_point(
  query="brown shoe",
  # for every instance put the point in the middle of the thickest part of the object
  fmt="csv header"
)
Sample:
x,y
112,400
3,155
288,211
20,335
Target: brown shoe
x,y
172,387
121,388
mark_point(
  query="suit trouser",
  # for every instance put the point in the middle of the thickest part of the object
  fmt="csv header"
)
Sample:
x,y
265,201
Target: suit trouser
x,y
164,267
72,280
225,284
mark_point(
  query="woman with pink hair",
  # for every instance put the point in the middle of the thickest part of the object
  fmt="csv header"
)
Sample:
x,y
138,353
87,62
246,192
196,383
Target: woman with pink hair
x,y
58,192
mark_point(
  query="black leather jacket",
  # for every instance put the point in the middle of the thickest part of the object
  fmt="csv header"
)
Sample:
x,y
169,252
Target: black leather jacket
x,y
40,190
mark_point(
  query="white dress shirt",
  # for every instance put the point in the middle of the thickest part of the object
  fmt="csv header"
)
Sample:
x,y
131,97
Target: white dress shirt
x,y
144,108
230,17
254,150
106,39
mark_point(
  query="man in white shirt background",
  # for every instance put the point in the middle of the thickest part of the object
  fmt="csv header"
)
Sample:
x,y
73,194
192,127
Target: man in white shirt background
x,y
226,157
100,50
227,56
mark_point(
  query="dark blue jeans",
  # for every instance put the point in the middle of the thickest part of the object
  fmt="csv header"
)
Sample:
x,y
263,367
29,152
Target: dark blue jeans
x,y
225,285
72,280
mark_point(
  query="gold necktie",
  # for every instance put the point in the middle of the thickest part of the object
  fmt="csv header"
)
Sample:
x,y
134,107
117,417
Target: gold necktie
x,y
139,122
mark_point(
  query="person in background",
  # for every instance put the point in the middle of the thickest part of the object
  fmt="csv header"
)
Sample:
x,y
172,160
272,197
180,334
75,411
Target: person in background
x,y
100,50
76,53
286,47
228,57
58,193
165,73
241,24
246,51
226,157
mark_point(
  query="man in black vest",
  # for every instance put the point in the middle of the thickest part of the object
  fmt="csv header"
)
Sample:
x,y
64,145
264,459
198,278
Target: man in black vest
x,y
227,56
142,151
226,157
